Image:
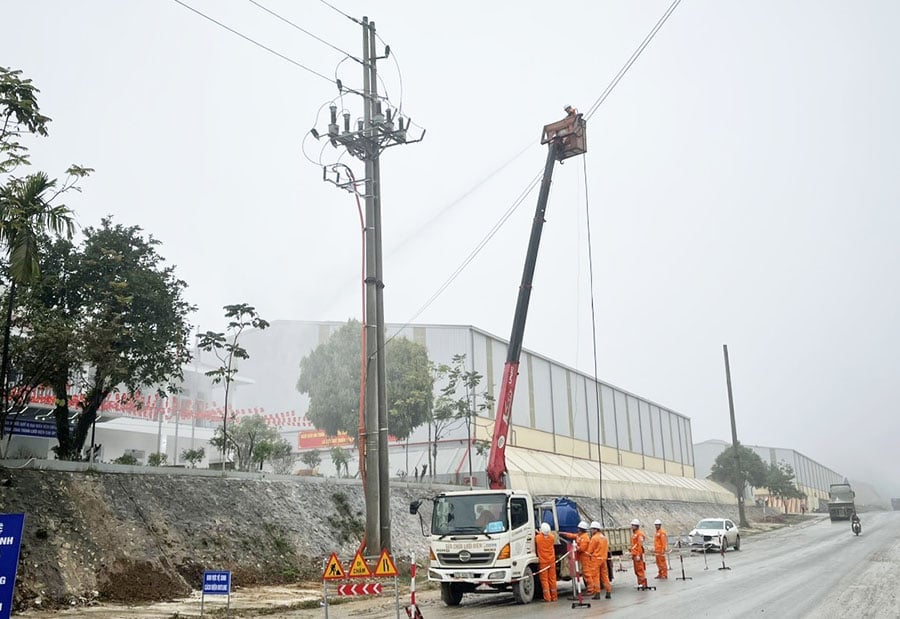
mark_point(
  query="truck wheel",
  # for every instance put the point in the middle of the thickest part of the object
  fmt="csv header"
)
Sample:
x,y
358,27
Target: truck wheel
x,y
523,590
737,542
451,594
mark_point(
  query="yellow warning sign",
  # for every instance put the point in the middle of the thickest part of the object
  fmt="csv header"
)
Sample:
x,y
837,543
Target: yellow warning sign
x,y
359,569
333,570
385,565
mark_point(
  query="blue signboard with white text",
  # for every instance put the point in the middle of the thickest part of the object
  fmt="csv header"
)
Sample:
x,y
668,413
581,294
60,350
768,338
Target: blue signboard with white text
x,y
11,526
217,582
30,427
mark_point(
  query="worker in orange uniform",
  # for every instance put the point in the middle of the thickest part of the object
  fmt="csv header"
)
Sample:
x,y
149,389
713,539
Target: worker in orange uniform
x,y
660,546
543,545
599,549
589,564
637,552
582,539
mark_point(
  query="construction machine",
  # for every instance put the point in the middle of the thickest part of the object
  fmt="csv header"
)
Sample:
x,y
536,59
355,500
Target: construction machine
x,y
482,541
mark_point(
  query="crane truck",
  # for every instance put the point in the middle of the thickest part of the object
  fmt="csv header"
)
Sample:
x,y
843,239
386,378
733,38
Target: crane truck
x,y
482,541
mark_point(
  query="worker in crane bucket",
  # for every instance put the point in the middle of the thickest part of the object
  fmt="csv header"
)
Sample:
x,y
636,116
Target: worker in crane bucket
x,y
660,546
543,545
637,553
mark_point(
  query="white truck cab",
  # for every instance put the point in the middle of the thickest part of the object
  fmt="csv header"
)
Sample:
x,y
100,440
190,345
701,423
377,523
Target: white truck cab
x,y
482,541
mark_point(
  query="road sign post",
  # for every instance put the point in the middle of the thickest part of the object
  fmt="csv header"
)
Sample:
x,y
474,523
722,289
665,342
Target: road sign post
x,y
334,573
216,582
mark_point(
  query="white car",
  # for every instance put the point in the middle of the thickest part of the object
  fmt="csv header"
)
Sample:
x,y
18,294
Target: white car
x,y
715,533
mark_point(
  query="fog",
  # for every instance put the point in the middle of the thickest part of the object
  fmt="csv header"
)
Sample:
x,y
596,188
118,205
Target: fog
x,y
741,182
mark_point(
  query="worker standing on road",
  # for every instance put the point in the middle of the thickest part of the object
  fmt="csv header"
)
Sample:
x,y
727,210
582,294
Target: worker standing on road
x,y
543,545
600,550
637,552
582,541
660,546
590,565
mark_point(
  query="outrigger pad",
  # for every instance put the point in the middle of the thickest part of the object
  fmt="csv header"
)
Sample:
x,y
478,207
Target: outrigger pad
x,y
581,604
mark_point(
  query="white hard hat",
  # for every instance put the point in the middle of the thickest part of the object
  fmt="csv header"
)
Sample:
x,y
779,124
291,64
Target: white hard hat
x,y
596,525
635,523
584,525
545,528
657,521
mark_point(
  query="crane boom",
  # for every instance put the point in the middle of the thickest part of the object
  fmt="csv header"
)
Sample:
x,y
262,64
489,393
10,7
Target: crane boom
x,y
566,138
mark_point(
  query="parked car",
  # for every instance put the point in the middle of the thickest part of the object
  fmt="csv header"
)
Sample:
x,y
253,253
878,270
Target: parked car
x,y
715,533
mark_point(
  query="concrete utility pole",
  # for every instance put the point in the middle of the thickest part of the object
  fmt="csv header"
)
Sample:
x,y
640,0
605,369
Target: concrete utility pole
x,y
375,132
734,442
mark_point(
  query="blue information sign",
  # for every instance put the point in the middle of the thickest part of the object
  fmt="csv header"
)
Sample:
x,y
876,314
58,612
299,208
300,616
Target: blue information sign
x,y
29,427
217,582
11,526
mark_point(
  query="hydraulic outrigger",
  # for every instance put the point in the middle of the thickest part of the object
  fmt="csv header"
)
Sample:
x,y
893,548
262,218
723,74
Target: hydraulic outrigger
x,y
566,138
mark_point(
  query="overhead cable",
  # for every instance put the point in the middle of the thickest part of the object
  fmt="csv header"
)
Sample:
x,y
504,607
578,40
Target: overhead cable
x,y
255,42
331,6
634,56
465,263
303,30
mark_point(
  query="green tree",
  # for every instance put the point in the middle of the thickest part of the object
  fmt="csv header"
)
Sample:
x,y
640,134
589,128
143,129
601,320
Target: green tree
x,y
312,458
753,469
340,457
157,458
27,209
330,375
46,349
410,388
247,438
780,482
133,331
276,451
281,457
20,115
126,459
193,456
459,399
113,317
227,349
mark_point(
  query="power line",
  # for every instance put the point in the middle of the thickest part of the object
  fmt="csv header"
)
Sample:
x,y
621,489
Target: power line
x,y
460,198
303,30
634,56
399,73
465,263
331,6
257,43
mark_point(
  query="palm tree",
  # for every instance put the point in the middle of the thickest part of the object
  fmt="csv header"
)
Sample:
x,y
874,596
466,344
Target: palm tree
x,y
27,215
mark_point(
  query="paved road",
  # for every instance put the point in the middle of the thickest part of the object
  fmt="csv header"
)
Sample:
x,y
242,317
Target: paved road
x,y
817,569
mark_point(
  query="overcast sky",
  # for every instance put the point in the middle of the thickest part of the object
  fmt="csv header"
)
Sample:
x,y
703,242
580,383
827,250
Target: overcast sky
x,y
742,183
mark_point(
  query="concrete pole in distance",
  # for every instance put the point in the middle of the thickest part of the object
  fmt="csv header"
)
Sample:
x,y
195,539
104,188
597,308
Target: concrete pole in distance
x,y
734,442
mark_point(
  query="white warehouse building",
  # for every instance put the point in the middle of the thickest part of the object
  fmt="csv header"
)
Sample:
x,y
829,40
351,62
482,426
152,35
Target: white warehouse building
x,y
810,477
562,423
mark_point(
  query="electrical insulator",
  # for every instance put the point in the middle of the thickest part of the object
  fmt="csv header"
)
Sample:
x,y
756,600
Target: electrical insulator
x,y
333,127
346,122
